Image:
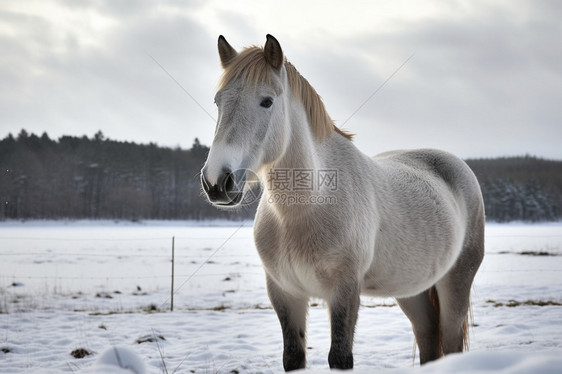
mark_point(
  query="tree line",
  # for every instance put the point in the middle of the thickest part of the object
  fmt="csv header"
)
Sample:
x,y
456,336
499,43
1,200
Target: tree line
x,y
99,178
520,188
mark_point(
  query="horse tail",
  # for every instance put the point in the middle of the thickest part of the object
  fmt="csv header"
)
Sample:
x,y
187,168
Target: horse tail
x,y
434,298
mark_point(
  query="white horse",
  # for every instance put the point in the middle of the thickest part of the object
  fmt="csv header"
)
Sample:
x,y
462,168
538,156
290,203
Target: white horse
x,y
333,223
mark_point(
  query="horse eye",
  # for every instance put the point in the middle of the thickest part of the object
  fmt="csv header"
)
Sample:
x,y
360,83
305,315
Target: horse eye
x,y
267,102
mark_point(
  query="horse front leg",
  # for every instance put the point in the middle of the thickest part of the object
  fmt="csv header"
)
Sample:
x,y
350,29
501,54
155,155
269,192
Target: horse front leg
x,y
291,312
344,307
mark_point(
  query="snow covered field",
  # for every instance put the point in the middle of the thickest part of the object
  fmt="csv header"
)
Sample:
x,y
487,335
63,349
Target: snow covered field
x,y
84,287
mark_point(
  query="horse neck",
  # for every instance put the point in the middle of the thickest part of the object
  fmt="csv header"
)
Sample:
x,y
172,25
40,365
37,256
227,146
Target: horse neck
x,y
302,150
302,155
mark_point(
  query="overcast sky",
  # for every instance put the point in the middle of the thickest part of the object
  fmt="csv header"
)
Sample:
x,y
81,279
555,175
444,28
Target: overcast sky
x,y
485,78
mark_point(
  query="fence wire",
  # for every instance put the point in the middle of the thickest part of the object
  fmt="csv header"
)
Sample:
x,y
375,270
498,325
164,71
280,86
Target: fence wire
x,y
166,240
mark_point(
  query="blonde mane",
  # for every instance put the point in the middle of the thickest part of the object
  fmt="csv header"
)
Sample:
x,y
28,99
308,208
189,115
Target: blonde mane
x,y
250,65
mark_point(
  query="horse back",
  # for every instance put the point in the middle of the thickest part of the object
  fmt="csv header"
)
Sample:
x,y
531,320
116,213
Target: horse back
x,y
431,167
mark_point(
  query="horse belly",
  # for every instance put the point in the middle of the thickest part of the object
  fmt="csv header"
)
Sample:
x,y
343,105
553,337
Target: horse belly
x,y
395,285
409,270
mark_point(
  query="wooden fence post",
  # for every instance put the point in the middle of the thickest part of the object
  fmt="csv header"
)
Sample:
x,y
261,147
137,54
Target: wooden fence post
x,y
172,291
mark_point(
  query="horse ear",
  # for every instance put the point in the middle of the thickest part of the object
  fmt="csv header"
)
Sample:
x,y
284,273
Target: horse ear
x,y
273,52
226,52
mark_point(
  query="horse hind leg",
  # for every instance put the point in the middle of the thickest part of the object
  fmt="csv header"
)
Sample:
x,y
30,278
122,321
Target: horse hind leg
x,y
453,291
439,315
453,322
424,316
439,320
454,304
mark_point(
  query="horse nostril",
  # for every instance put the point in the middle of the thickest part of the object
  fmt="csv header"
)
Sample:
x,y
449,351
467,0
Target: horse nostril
x,y
226,190
229,183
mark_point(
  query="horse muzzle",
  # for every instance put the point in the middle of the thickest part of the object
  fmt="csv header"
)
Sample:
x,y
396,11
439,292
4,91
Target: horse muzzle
x,y
228,191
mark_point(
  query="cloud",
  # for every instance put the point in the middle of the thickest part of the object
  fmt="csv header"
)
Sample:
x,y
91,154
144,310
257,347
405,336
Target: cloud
x,y
483,85
63,82
485,79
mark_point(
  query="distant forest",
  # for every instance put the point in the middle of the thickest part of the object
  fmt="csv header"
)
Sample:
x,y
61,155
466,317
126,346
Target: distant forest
x,y
99,178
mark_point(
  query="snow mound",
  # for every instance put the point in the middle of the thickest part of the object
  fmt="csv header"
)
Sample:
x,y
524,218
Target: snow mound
x,y
118,360
499,362
482,362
